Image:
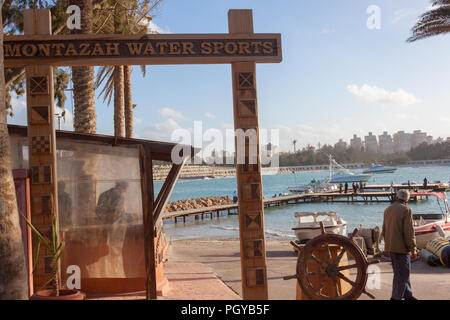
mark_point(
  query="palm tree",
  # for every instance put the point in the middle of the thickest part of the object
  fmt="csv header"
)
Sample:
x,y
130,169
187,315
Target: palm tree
x,y
13,275
433,22
85,116
128,102
127,17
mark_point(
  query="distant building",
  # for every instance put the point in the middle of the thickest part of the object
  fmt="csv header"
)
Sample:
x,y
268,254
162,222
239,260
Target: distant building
x,y
341,145
356,143
270,149
430,140
417,138
402,142
438,140
386,143
371,143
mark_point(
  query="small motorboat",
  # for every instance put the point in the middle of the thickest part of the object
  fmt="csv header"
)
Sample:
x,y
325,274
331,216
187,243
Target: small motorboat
x,y
378,168
431,226
339,174
309,224
313,187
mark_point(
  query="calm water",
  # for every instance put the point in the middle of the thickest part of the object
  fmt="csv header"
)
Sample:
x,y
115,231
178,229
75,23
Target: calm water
x,y
280,220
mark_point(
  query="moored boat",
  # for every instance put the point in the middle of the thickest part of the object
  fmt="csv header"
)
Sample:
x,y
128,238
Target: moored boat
x,y
309,224
314,186
431,226
378,168
339,174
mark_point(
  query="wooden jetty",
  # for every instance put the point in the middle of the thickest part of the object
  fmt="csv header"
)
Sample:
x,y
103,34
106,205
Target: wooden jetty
x,y
368,195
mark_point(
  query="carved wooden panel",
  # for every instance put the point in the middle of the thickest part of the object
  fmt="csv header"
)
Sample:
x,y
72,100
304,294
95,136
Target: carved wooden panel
x,y
40,115
39,85
251,191
253,220
40,144
42,204
253,248
247,108
41,174
246,80
255,277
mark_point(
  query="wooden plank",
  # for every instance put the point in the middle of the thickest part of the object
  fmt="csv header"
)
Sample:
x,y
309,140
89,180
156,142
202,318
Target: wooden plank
x,y
155,49
161,151
249,179
148,202
166,190
41,138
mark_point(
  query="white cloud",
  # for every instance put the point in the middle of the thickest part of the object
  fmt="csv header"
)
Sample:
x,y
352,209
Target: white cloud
x,y
305,134
381,96
405,13
161,131
137,120
210,115
170,113
154,28
328,31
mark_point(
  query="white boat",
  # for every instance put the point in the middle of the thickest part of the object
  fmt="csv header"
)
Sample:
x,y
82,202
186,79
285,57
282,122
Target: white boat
x,y
430,226
378,168
309,224
339,174
314,186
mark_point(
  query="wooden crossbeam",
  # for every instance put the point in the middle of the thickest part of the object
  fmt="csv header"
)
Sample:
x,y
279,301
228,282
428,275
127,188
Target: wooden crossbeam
x,y
166,190
153,49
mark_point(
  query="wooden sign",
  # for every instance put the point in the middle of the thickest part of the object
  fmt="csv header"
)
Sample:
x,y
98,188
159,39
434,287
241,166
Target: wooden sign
x,y
39,51
142,49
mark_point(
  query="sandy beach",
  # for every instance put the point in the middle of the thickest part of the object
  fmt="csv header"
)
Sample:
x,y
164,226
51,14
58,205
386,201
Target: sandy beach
x,y
223,258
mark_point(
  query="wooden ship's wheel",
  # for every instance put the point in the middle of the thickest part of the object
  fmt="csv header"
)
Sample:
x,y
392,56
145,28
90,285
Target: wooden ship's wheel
x,y
327,264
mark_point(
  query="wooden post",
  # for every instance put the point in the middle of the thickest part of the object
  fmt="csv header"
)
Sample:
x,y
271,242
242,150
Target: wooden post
x,y
249,180
41,144
148,204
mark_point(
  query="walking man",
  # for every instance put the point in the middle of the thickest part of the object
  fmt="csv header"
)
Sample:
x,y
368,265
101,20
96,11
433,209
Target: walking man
x,y
346,187
400,241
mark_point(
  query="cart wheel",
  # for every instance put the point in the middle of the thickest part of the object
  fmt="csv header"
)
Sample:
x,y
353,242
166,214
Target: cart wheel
x,y
330,269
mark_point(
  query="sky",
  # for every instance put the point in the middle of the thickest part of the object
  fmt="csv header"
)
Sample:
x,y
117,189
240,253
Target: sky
x,y
337,77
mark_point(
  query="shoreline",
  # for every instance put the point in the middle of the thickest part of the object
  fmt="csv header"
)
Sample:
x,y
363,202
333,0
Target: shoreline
x,y
222,256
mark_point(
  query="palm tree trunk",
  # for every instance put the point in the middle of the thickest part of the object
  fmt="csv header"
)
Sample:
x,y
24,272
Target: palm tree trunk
x,y
119,101
85,117
13,274
128,102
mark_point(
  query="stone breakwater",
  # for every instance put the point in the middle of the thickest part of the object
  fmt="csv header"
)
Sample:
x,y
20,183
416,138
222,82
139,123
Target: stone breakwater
x,y
190,204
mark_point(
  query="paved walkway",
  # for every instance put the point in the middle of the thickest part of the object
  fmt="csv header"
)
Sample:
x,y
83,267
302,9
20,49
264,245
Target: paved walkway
x,y
223,257
195,281
187,281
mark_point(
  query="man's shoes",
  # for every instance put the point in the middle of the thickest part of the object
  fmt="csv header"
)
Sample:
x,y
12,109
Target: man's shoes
x,y
411,298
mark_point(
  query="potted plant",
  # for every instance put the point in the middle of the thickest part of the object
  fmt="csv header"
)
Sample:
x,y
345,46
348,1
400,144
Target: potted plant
x,y
55,247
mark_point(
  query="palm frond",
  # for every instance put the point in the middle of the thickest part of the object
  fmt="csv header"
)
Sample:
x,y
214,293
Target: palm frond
x,y
433,22
435,3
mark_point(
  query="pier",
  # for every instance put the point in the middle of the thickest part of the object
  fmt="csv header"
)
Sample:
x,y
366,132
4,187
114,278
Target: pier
x,y
368,195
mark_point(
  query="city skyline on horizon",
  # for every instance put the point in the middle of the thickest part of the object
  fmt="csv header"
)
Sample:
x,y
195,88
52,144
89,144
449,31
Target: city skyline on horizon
x,y
337,77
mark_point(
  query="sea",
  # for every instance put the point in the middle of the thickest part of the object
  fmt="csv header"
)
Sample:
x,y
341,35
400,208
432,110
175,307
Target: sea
x,y
280,220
